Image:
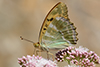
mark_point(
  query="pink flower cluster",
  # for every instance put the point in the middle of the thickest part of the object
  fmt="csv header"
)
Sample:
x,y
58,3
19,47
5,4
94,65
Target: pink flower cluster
x,y
79,56
35,61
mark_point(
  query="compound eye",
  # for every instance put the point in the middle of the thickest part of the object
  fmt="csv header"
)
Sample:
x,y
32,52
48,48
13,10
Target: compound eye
x,y
38,43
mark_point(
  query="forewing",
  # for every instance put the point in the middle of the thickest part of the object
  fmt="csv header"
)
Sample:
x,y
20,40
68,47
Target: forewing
x,y
57,31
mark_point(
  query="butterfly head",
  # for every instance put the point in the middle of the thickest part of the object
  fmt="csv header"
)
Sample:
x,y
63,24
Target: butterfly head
x,y
36,45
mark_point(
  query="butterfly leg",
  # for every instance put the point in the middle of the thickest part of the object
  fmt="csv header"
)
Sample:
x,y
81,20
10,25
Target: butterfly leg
x,y
48,53
38,52
34,51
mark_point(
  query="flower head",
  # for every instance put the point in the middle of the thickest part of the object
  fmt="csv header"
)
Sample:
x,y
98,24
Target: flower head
x,y
35,61
79,56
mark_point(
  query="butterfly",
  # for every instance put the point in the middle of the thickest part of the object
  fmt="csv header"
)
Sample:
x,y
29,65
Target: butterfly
x,y
57,31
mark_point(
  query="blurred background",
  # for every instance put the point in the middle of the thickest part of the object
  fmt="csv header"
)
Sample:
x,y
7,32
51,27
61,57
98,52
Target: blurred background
x,y
25,17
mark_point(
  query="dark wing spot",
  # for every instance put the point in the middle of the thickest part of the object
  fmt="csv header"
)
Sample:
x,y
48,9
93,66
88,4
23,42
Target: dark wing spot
x,y
74,28
71,23
44,28
48,20
51,19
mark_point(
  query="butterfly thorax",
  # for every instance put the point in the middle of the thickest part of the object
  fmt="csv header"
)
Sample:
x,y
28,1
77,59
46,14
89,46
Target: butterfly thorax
x,y
38,46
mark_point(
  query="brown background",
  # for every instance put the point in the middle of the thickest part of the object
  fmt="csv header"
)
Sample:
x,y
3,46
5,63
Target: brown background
x,y
25,17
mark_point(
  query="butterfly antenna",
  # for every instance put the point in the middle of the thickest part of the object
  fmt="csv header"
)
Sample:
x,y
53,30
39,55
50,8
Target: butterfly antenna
x,y
26,39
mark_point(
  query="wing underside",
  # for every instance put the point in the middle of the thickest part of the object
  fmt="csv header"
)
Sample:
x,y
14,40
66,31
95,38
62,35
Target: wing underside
x,y
57,31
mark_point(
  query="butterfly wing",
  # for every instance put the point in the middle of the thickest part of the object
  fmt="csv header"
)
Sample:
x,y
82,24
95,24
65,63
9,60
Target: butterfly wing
x,y
57,31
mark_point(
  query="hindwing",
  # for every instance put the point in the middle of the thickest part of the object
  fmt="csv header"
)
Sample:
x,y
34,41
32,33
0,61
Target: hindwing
x,y
57,30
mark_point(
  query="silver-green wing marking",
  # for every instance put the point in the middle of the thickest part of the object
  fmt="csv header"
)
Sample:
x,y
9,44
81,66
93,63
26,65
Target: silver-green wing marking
x,y
57,31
